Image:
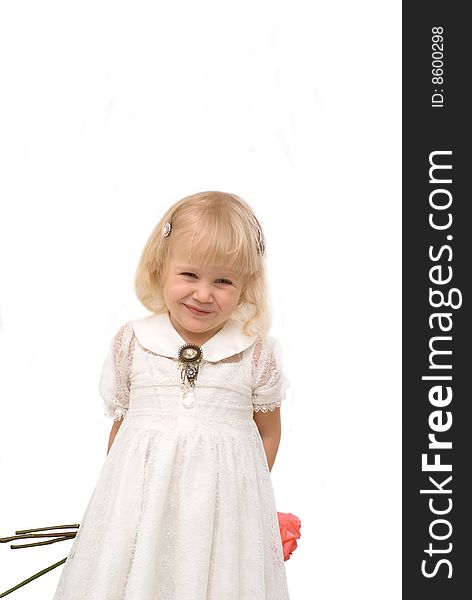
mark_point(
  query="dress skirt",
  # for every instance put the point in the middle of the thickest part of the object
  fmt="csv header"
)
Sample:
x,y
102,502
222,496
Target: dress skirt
x,y
183,509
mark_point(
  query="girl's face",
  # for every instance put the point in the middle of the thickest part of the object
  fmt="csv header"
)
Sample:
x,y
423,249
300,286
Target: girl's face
x,y
200,298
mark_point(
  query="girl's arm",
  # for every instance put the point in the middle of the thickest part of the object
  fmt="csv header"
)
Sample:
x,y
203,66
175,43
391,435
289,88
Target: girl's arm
x,y
269,427
114,430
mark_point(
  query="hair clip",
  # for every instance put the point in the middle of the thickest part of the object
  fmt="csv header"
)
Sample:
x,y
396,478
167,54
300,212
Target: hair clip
x,y
261,243
166,229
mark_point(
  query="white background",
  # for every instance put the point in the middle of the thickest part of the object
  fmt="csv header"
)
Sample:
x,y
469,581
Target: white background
x,y
110,112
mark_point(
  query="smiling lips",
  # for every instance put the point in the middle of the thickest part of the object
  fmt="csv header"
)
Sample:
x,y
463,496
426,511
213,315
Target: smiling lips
x,y
196,311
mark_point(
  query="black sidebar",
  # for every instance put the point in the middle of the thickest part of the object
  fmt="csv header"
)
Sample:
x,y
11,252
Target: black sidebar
x,y
437,270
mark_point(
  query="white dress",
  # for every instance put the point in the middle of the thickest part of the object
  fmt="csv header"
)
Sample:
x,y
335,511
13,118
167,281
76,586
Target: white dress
x,y
184,507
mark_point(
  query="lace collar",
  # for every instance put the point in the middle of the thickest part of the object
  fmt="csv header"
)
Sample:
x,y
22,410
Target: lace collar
x,y
156,333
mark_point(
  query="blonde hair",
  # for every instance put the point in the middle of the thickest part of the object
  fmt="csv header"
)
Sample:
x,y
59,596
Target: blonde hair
x,y
225,232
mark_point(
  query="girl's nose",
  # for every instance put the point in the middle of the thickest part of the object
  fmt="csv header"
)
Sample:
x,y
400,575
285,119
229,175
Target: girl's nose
x,y
202,292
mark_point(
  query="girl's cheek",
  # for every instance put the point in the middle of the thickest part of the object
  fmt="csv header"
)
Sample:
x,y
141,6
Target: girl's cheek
x,y
181,286
231,295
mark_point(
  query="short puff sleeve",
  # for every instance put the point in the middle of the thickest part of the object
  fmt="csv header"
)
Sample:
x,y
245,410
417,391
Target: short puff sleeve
x,y
115,376
269,382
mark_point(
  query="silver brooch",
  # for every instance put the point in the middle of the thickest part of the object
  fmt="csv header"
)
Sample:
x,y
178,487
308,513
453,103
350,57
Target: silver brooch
x,y
166,229
190,357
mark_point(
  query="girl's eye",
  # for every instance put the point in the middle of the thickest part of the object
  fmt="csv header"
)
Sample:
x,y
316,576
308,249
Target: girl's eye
x,y
224,281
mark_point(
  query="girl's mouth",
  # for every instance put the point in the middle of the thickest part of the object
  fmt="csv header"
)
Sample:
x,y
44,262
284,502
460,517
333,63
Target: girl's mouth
x,y
195,311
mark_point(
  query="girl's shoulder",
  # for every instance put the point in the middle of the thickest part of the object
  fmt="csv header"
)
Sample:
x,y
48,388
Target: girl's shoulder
x,y
123,337
270,383
267,349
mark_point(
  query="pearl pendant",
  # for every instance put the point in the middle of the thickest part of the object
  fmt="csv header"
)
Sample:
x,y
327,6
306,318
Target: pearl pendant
x,y
188,397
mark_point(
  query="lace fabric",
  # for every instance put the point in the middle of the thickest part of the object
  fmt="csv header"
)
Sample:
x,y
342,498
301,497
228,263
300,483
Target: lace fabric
x,y
184,507
269,383
116,373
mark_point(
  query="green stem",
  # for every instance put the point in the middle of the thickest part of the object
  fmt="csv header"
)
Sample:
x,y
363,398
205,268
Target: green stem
x,y
35,576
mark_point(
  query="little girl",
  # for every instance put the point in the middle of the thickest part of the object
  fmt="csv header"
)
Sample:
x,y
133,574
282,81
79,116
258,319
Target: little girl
x,y
184,506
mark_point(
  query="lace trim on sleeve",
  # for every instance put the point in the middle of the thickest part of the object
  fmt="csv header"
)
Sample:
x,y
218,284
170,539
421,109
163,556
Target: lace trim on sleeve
x,y
116,372
266,407
270,383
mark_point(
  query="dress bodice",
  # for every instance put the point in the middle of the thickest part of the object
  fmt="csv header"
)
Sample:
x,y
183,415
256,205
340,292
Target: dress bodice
x,y
237,375
222,389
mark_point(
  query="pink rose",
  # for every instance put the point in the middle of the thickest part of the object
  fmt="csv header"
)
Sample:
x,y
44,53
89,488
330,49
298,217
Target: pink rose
x,y
289,532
